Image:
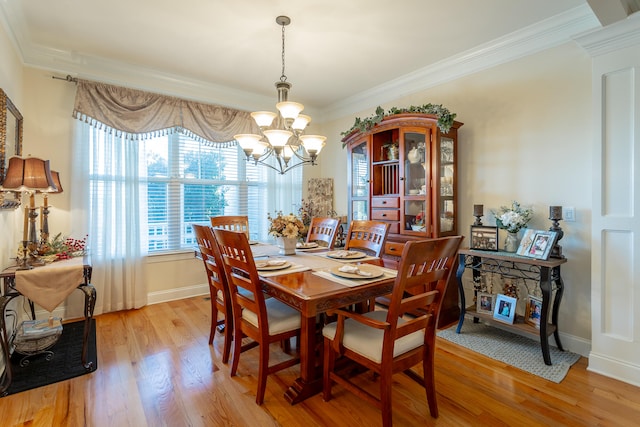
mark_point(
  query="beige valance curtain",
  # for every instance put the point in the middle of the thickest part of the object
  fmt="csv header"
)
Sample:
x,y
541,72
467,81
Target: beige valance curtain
x,y
139,114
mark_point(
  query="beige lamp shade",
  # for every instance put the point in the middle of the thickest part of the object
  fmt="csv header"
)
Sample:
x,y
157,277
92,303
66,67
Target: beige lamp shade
x,y
278,137
263,118
289,110
56,180
30,174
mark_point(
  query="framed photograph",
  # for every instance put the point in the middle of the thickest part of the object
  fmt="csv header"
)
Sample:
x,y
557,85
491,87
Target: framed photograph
x,y
534,311
525,242
484,238
537,244
484,303
505,309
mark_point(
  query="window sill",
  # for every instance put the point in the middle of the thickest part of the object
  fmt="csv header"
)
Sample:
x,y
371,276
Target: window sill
x,y
171,256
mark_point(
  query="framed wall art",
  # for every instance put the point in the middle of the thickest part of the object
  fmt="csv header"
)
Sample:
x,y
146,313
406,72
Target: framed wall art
x,y
505,309
484,238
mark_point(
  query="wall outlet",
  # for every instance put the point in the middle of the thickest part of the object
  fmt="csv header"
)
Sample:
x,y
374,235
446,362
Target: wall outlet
x,y
569,214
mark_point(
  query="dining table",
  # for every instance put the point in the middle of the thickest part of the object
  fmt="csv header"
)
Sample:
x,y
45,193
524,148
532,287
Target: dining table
x,y
312,284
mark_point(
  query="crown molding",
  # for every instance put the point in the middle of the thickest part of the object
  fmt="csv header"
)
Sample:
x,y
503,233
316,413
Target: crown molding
x,y
143,78
543,35
616,36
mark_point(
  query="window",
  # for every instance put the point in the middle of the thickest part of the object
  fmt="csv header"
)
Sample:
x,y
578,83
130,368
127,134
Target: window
x,y
184,181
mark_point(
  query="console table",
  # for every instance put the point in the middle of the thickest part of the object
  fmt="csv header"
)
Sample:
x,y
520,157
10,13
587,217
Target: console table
x,y
545,273
9,292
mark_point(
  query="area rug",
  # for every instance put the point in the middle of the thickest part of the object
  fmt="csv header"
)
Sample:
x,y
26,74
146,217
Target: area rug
x,y
515,350
66,362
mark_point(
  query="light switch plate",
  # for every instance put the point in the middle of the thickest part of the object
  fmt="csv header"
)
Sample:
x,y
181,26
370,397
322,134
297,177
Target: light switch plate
x,y
569,213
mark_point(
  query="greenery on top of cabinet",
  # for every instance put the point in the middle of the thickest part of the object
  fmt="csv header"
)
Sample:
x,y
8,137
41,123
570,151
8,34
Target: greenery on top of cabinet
x,y
445,117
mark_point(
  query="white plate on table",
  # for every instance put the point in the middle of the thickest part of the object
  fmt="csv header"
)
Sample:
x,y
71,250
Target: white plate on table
x,y
372,270
309,245
346,254
272,264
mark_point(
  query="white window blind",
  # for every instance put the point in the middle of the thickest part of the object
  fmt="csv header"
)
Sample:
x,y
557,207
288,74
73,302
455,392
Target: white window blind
x,y
188,181
183,181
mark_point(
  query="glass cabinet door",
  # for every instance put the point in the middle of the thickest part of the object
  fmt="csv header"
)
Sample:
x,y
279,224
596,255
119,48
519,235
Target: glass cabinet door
x,y
415,188
447,185
359,177
414,164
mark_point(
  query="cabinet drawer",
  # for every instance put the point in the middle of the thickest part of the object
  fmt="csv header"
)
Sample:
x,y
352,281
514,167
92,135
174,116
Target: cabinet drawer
x,y
385,202
385,214
393,248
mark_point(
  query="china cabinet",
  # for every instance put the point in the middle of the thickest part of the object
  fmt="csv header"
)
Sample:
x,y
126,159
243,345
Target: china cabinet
x,y
404,171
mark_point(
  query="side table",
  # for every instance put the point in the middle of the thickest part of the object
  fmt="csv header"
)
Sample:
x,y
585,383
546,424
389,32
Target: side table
x,y
545,273
9,292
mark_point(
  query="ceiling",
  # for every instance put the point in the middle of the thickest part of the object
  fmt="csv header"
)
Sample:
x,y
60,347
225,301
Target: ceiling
x,y
337,51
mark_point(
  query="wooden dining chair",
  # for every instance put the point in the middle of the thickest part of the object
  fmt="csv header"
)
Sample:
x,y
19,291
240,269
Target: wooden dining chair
x,y
264,320
386,341
218,286
367,235
323,230
231,222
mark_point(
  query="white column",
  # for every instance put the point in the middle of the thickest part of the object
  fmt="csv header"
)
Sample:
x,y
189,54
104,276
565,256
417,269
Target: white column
x,y
615,245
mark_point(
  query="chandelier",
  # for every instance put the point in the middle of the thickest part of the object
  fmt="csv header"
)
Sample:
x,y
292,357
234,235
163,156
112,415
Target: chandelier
x,y
282,134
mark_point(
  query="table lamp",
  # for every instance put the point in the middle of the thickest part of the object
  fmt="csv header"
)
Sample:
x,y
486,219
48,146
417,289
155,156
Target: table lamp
x,y
29,175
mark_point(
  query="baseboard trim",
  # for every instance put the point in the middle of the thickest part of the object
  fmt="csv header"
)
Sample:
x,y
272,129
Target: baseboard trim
x,y
614,368
178,293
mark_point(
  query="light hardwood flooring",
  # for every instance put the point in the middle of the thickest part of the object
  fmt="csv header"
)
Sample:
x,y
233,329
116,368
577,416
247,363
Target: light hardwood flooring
x,y
155,368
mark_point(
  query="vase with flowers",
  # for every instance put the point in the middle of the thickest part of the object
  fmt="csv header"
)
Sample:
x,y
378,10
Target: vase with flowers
x,y
287,229
512,219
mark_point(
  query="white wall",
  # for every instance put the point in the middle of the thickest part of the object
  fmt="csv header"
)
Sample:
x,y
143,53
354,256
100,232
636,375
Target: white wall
x,y
11,83
526,136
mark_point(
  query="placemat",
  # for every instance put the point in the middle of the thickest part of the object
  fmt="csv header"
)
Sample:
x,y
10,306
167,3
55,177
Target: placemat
x,y
388,273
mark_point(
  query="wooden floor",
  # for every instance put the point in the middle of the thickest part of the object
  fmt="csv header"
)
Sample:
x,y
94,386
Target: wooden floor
x,y
155,368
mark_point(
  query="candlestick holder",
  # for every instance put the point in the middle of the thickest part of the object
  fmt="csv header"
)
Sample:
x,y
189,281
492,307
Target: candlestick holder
x,y
555,215
22,262
33,242
478,212
44,225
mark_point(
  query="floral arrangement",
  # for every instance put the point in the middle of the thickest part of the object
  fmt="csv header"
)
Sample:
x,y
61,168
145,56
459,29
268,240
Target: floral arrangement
x,y
59,248
64,248
513,218
285,225
419,219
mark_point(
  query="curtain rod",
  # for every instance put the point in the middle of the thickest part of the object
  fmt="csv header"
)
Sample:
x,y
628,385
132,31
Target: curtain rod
x,y
68,78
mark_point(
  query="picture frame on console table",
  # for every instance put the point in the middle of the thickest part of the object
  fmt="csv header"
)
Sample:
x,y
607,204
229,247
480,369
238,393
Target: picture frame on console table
x,y
484,238
534,311
485,303
537,244
505,309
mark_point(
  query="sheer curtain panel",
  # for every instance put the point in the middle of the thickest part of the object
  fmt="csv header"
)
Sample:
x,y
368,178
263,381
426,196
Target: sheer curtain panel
x,y
107,203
